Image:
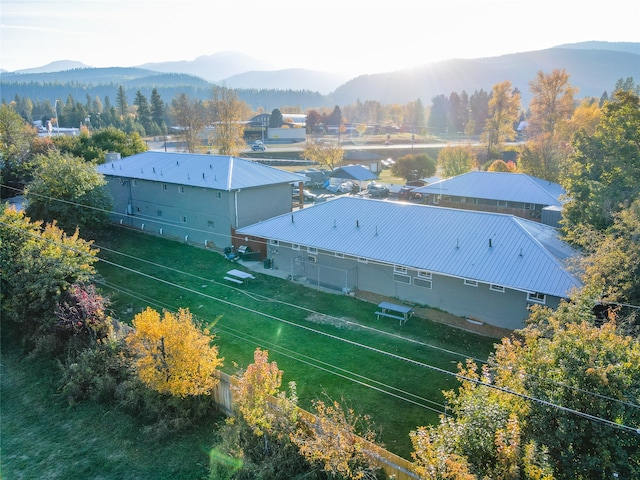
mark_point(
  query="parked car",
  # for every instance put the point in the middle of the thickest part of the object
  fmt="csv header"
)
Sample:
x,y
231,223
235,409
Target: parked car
x,y
375,190
407,193
258,147
307,194
388,163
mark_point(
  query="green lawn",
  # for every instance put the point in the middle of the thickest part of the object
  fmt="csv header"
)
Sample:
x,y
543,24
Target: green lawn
x,y
43,438
326,343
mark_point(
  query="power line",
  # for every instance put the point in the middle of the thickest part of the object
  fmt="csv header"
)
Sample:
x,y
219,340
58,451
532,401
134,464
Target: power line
x,y
366,327
297,356
367,347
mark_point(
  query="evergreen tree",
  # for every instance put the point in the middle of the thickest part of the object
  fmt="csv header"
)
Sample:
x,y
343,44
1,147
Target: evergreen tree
x,y
122,104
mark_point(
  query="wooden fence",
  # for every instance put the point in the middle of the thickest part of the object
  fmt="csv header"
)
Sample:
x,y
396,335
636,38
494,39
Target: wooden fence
x,y
395,467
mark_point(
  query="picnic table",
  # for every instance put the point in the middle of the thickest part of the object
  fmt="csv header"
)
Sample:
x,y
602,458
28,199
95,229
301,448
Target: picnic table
x,y
238,276
391,310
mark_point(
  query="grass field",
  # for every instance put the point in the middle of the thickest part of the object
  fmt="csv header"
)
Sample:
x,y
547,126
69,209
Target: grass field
x,y
323,341
45,439
328,343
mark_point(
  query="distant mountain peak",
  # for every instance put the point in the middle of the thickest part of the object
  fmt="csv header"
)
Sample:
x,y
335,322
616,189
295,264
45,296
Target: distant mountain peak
x,y
57,66
214,67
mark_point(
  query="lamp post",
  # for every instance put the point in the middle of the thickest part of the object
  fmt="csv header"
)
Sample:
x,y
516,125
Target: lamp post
x,y
55,108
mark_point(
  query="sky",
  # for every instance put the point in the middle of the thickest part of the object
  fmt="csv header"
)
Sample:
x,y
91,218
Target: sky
x,y
343,36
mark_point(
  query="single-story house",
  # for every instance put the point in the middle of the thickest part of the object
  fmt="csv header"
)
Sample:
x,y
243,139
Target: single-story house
x,y
486,266
513,193
356,174
196,198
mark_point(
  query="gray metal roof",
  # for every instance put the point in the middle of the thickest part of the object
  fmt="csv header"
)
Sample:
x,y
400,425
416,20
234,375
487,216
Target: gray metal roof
x,y
487,247
513,187
354,172
211,171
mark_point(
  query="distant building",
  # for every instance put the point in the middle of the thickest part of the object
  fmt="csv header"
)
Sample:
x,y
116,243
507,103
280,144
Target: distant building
x,y
513,193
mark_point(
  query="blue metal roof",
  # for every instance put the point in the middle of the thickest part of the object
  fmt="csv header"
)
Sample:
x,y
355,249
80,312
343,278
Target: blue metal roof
x,y
513,187
198,170
491,248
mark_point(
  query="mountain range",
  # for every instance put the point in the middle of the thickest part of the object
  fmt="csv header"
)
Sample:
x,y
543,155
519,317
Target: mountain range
x,y
594,68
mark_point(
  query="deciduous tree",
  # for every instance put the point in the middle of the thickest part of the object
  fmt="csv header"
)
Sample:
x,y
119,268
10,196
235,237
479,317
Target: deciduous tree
x,y
335,441
111,139
324,153
172,354
69,190
16,141
603,173
551,106
40,263
456,160
504,106
228,112
190,117
566,360
258,396
413,167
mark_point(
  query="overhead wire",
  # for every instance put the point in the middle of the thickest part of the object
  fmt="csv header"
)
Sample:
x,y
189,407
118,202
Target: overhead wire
x,y
459,376
297,356
362,326
594,418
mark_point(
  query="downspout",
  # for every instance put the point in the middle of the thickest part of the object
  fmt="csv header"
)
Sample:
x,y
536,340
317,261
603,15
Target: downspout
x,y
235,201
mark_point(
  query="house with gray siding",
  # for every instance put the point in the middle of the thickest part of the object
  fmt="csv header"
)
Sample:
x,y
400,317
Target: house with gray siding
x,y
196,198
513,193
487,266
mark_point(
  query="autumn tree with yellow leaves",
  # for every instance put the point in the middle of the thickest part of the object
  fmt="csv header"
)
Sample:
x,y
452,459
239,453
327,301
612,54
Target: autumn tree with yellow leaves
x,y
172,355
337,440
258,395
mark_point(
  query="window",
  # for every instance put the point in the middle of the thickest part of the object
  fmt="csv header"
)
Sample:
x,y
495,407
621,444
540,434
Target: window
x,y
219,194
470,283
421,282
312,250
134,183
312,258
402,278
180,189
436,199
339,255
165,187
210,224
536,297
295,246
502,203
399,269
183,219
424,274
362,260
497,288
159,213
274,242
